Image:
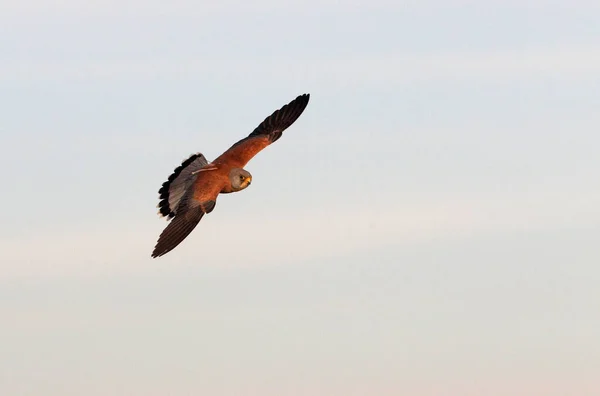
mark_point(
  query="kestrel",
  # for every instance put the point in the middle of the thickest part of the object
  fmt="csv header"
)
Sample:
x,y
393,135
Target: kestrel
x,y
193,187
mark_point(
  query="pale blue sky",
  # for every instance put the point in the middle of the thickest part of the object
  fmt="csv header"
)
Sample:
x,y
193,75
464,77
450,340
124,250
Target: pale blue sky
x,y
429,226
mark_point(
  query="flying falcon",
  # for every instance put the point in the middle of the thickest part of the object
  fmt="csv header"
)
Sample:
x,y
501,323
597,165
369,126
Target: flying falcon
x,y
193,187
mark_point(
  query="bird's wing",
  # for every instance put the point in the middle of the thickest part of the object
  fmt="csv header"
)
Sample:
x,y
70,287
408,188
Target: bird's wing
x,y
266,133
182,178
187,218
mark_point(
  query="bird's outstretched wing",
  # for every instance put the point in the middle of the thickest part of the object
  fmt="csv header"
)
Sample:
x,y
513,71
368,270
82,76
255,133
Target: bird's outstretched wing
x,y
184,222
266,133
182,178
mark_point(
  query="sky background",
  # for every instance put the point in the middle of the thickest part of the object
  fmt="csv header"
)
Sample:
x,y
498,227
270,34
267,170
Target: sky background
x,y
429,226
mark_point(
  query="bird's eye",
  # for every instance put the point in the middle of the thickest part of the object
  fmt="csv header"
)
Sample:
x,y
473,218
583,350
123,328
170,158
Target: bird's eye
x,y
242,177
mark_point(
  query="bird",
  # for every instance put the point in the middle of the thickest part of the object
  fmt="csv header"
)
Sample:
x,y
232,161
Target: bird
x,y
191,190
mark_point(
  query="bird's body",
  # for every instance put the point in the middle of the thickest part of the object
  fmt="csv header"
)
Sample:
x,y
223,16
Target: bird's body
x,y
192,189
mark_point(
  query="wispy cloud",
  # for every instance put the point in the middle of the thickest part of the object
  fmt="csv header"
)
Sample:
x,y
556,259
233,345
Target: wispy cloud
x,y
566,63
274,237
155,7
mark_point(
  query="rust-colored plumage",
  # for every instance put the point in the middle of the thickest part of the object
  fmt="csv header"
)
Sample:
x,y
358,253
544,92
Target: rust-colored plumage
x,y
192,189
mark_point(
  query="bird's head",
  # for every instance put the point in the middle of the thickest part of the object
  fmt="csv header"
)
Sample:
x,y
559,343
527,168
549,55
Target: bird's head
x,y
239,178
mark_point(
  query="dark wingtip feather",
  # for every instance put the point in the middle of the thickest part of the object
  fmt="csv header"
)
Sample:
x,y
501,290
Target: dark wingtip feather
x,y
177,230
281,119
